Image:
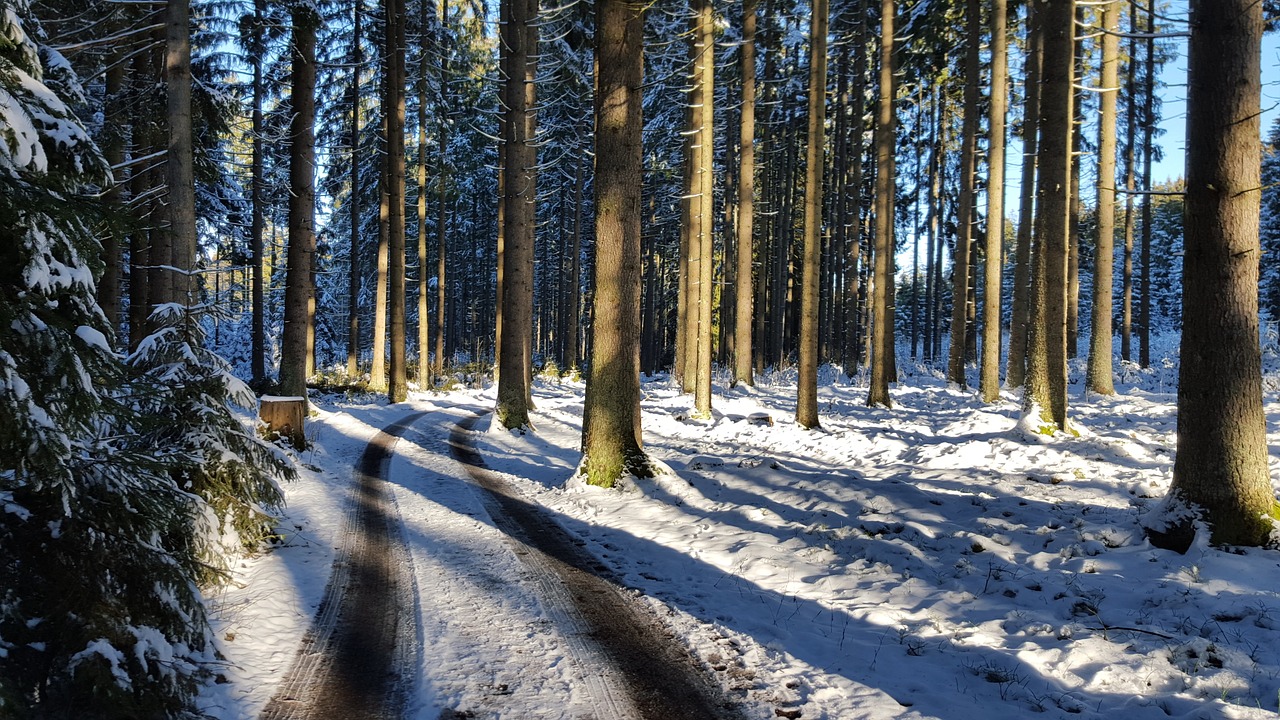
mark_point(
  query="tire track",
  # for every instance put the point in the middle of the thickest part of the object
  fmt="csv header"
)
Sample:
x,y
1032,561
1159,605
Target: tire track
x,y
353,659
634,667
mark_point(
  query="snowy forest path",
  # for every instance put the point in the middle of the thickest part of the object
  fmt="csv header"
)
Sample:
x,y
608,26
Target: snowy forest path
x,y
352,661
623,648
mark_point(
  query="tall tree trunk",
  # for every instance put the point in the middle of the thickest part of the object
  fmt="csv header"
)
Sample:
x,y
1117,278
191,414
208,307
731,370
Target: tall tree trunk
x,y
883,366
424,325
989,383
257,228
442,236
746,200
611,439
513,404
1221,462
179,276
853,287
378,365
1130,172
145,142
299,292
393,106
807,384
705,45
1098,377
1148,128
1015,372
965,212
353,279
1073,232
1045,398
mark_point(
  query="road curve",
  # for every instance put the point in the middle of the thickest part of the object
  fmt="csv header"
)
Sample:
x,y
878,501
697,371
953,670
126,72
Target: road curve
x,y
353,660
654,671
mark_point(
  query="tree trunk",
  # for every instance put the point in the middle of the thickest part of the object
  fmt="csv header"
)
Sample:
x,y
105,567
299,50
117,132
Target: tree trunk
x,y
1015,372
442,236
1045,398
746,200
393,107
1221,462
1130,171
353,279
882,363
378,365
965,211
299,292
513,404
179,280
1098,377
611,438
257,229
989,384
424,325
807,384
1148,128
705,193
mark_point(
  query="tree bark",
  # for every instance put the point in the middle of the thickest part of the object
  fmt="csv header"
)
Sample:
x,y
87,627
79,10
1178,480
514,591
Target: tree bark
x,y
394,108
807,383
1015,371
611,437
299,291
705,202
882,364
257,229
965,211
513,404
1098,376
1221,462
746,201
1045,398
353,279
989,383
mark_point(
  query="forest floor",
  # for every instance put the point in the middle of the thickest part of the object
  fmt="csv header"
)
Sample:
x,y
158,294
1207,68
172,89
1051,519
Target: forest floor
x,y
924,561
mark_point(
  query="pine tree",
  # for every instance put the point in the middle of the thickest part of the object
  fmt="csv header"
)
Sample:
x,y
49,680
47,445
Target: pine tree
x,y
611,439
1221,463
100,615
807,384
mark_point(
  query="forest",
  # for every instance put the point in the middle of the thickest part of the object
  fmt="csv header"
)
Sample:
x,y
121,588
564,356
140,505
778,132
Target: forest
x,y
209,201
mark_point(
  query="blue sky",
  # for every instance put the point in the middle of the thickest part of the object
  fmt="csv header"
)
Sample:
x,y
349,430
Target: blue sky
x,y
1174,77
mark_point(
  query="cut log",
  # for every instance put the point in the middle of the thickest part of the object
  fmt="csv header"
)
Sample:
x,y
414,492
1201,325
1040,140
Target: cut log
x,y
284,417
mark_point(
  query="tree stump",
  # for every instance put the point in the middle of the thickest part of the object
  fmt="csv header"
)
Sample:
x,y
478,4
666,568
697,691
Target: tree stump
x,y
284,418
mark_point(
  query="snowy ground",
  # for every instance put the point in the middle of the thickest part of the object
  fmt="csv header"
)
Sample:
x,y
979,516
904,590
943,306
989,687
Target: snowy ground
x,y
925,561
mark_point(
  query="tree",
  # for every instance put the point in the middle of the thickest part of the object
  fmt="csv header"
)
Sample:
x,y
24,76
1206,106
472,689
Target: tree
x,y
611,438
394,110
299,304
746,200
1099,372
704,176
965,213
1045,399
1015,372
519,200
989,384
1221,463
807,384
883,366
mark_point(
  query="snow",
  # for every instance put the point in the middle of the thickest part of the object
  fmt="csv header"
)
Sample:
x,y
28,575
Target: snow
x,y
929,561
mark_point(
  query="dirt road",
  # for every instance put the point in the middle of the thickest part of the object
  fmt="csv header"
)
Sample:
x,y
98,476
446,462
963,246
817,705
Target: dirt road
x,y
355,660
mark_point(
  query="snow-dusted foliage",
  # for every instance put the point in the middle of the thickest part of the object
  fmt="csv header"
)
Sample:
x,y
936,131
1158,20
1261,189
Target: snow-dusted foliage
x,y
100,613
184,399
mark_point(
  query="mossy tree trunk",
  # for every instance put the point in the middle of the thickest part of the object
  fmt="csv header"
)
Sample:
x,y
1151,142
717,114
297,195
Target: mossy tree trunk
x,y
611,439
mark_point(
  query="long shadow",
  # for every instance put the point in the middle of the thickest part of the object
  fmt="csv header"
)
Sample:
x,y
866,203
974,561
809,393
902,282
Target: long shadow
x,y
810,631
662,678
351,663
